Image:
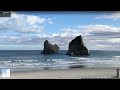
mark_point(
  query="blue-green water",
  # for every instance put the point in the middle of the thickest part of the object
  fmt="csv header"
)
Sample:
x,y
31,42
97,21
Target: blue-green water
x,y
33,60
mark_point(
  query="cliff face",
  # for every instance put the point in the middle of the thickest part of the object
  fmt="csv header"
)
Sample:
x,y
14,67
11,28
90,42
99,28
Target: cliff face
x,y
49,48
76,47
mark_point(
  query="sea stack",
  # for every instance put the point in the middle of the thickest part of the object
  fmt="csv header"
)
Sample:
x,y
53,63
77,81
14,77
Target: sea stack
x,y
49,48
76,47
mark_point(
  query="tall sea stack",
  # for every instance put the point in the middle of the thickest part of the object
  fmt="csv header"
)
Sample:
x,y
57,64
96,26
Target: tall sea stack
x,y
76,47
49,48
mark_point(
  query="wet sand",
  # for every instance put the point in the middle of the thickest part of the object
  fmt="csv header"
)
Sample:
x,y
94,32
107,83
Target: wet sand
x,y
73,73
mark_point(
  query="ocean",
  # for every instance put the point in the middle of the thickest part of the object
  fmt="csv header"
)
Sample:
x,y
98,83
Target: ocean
x,y
24,60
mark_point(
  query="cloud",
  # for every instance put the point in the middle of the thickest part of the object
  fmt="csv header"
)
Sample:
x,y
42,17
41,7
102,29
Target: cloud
x,y
50,20
101,27
101,36
34,20
114,16
21,29
114,40
97,36
24,23
27,19
67,32
101,30
30,29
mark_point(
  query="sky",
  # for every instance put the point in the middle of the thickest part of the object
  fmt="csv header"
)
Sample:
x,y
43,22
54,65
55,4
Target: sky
x,y
27,30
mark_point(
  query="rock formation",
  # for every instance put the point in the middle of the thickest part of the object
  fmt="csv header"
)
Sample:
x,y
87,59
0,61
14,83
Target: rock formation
x,y
76,47
49,48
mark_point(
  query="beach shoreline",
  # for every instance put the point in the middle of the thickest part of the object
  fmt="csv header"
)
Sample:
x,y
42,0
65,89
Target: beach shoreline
x,y
73,73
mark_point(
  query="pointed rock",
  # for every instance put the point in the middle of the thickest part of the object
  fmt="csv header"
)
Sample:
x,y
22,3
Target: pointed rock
x,y
76,47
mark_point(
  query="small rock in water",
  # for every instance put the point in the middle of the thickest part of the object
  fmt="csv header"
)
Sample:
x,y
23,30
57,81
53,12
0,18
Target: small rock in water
x,y
49,48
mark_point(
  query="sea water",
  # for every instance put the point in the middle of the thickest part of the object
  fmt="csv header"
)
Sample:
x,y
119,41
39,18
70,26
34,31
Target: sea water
x,y
23,60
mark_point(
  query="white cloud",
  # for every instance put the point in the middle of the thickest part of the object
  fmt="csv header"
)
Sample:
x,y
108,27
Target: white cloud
x,y
114,16
98,28
34,20
114,40
50,21
95,36
103,37
28,19
101,46
54,35
24,23
70,32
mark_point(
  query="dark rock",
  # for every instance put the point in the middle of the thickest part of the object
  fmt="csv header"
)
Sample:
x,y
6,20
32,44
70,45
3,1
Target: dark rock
x,y
49,48
77,66
76,47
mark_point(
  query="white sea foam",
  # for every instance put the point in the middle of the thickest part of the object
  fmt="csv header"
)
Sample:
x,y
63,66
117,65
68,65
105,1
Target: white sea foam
x,y
27,61
60,63
5,61
48,60
116,57
64,62
57,59
79,58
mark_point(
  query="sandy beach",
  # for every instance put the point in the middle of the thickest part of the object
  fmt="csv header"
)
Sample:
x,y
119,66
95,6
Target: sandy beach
x,y
75,73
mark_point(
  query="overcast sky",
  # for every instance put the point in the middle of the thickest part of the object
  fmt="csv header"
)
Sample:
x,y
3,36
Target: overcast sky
x,y
28,30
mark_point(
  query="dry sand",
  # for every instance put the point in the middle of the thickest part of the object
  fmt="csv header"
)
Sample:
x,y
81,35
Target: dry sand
x,y
75,73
